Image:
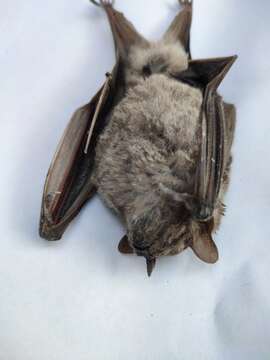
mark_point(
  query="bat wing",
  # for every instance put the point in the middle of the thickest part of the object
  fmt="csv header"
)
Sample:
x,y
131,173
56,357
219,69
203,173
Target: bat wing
x,y
217,132
217,121
68,183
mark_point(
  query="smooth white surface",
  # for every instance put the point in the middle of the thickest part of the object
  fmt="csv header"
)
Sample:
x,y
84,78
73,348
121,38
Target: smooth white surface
x,y
79,298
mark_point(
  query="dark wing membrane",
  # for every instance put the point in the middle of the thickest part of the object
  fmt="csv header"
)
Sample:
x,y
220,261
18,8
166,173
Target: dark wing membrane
x,y
218,133
211,169
68,183
230,115
207,75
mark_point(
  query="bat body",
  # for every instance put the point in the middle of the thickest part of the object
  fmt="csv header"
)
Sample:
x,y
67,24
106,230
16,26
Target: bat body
x,y
155,143
146,158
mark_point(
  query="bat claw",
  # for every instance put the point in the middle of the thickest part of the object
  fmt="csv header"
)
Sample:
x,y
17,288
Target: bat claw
x,y
185,2
103,3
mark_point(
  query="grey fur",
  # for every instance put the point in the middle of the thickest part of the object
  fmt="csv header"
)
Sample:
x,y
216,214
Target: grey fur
x,y
146,157
148,154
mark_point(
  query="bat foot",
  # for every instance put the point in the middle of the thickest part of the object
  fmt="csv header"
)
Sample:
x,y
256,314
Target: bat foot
x,y
185,2
103,3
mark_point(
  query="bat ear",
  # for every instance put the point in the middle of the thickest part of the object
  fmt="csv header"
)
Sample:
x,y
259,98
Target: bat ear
x,y
124,33
124,246
180,28
203,244
208,72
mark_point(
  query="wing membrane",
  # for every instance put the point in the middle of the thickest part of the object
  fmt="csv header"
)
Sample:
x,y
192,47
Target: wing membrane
x,y
68,183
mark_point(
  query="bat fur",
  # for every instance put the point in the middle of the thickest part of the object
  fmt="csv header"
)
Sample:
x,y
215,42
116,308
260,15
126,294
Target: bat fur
x,y
158,148
146,157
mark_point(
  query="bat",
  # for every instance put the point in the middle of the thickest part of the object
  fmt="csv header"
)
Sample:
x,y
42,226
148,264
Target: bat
x,y
154,142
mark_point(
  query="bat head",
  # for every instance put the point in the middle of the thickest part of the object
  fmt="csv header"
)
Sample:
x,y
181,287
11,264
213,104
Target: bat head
x,y
168,227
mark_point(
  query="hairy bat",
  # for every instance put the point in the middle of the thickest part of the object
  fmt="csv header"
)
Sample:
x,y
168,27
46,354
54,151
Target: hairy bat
x,y
155,143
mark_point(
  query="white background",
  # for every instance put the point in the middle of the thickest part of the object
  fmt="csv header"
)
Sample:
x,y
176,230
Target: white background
x,y
79,298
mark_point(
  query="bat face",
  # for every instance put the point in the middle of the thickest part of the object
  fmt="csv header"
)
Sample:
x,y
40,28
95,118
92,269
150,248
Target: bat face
x,y
167,227
154,235
159,234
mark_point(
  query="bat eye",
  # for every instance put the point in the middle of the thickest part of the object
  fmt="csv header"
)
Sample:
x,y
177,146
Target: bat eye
x,y
147,71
